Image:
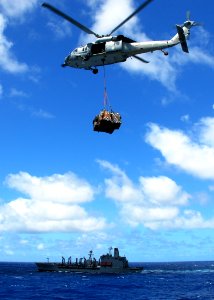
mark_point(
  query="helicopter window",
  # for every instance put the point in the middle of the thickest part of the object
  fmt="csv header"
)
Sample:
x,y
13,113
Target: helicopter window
x,y
98,48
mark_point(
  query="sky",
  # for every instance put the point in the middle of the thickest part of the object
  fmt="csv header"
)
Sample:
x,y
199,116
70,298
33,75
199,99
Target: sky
x,y
148,188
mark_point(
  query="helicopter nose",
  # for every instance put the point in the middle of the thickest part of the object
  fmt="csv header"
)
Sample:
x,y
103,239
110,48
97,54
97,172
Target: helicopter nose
x,y
67,59
70,59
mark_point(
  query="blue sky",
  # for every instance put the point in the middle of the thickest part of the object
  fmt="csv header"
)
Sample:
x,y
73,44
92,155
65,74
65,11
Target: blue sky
x,y
148,188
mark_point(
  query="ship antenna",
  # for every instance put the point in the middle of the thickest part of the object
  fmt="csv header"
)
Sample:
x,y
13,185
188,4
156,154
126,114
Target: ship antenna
x,y
90,254
110,248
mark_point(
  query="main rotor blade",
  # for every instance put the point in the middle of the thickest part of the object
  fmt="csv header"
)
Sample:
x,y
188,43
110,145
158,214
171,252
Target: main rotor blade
x,y
198,24
143,5
69,19
188,15
141,59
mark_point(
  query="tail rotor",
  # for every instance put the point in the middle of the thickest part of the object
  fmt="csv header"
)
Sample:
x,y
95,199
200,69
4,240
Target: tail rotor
x,y
190,23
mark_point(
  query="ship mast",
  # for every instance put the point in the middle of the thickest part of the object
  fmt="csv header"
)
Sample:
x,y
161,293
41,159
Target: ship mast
x,y
110,249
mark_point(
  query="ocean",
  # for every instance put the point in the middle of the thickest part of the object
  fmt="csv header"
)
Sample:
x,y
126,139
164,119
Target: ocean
x,y
165,281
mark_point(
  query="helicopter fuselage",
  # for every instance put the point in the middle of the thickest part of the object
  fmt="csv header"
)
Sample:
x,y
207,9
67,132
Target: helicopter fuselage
x,y
106,51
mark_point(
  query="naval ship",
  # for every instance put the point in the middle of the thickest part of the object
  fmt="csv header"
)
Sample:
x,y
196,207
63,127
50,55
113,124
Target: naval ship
x,y
107,264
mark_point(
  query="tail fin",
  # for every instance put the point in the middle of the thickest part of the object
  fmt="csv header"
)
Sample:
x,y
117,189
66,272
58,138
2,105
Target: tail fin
x,y
182,39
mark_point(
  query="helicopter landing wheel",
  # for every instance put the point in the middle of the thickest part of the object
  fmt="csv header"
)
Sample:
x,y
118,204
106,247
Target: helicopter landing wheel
x,y
165,52
95,71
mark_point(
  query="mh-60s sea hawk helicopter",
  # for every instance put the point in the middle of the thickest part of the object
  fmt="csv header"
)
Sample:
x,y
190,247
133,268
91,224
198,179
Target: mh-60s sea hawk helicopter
x,y
109,49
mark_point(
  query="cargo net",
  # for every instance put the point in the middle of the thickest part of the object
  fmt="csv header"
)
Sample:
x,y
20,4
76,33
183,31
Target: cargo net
x,y
107,120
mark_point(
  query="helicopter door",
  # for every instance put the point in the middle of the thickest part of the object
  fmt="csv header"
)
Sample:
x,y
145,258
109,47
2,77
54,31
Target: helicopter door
x,y
97,48
114,46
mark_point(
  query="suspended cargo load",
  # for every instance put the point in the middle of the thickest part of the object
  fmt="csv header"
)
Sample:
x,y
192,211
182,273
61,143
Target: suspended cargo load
x,y
107,121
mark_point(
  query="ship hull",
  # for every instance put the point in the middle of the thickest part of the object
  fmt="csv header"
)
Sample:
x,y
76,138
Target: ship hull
x,y
56,267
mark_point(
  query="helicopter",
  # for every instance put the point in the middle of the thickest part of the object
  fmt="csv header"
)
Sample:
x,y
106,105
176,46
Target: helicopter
x,y
110,49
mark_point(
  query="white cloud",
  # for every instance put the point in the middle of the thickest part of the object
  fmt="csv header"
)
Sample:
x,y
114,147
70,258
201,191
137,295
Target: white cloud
x,y
17,93
1,90
205,128
67,188
185,118
121,187
200,56
202,197
24,106
192,219
196,55
150,217
105,22
154,202
8,251
201,37
11,9
168,191
40,246
23,242
16,8
52,205
159,69
41,114
60,29
8,61
193,154
188,220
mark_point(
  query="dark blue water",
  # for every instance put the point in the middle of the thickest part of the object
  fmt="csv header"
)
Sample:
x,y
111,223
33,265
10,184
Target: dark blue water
x,y
166,281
